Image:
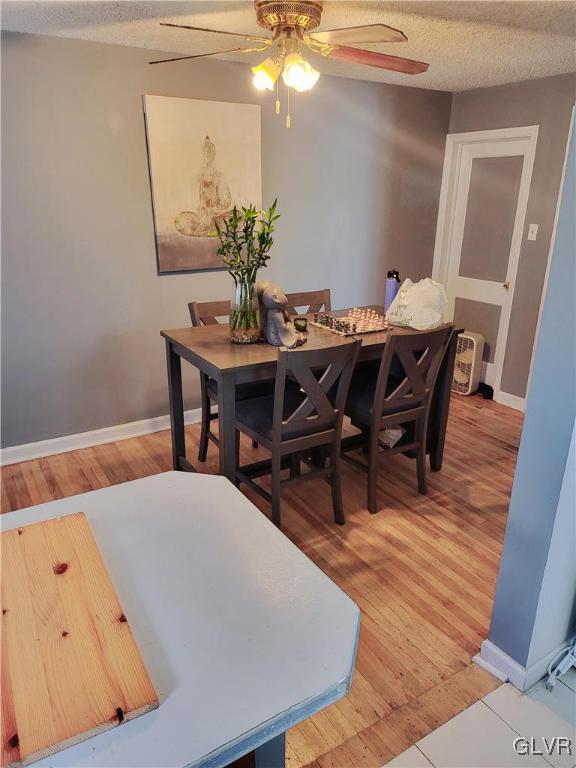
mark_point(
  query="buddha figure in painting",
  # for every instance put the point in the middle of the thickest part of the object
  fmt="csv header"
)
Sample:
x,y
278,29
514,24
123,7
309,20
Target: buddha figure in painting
x,y
215,198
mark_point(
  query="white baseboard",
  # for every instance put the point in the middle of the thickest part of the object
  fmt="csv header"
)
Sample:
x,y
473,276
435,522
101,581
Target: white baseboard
x,y
488,373
490,668
488,376
493,658
512,401
28,451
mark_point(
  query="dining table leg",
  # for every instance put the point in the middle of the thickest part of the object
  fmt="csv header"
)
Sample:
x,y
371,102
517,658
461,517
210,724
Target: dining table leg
x,y
271,754
176,406
441,405
226,421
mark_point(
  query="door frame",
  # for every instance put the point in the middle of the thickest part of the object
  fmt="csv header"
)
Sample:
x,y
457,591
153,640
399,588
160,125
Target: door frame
x,y
455,142
551,247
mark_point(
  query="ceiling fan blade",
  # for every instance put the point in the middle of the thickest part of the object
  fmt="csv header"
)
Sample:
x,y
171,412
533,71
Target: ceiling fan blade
x,y
369,33
381,60
202,55
254,38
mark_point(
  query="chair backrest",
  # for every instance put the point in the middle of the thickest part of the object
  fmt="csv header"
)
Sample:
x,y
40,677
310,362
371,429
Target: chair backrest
x,y
409,367
207,312
324,376
309,301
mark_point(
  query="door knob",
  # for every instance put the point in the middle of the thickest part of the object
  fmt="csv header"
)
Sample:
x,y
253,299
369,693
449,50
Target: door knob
x,y
506,285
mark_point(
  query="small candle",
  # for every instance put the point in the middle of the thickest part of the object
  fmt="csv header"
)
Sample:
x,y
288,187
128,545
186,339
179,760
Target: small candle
x,y
301,324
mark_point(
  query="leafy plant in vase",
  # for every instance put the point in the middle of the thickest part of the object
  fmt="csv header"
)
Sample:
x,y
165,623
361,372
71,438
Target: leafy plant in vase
x,y
245,241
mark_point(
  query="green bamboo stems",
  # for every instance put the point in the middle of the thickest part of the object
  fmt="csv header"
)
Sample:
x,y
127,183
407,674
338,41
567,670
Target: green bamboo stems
x,y
245,242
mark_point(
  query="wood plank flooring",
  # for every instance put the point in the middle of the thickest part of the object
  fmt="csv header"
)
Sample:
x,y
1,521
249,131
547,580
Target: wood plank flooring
x,y
423,570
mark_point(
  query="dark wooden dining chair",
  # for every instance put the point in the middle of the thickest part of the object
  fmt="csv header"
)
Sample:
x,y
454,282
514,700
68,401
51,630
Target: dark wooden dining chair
x,y
308,302
293,422
208,313
398,393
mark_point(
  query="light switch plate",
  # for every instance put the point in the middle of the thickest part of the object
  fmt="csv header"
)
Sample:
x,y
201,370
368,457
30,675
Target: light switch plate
x,y
532,231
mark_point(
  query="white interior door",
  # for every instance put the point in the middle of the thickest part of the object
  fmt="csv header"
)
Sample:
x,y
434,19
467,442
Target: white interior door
x,y
485,199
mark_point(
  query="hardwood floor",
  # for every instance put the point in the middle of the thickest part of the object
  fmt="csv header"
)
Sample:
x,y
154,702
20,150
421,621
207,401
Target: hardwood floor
x,y
423,571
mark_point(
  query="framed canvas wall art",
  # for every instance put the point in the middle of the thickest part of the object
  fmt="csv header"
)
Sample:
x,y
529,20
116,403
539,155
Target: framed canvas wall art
x,y
204,157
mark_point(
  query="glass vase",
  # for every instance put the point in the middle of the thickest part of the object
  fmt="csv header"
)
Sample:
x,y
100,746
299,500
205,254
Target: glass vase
x,y
244,317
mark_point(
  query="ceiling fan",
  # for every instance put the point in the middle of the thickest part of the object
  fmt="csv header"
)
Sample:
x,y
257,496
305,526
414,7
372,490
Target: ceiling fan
x,y
291,24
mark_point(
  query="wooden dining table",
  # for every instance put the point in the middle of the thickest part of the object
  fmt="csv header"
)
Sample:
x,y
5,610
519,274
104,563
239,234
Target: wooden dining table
x,y
209,349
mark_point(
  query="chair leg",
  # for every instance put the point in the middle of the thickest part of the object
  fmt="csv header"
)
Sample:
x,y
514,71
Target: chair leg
x,y
294,466
205,428
366,445
276,488
421,460
254,444
372,471
237,455
318,457
336,483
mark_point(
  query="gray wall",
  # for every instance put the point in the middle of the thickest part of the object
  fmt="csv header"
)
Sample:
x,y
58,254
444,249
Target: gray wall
x,y
547,103
357,178
543,459
556,613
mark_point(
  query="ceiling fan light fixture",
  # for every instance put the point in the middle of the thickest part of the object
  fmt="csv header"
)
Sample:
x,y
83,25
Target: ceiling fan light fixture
x,y
293,24
298,73
309,80
265,75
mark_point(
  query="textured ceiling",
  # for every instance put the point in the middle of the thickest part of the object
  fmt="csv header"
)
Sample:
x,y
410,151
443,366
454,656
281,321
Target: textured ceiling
x,y
468,44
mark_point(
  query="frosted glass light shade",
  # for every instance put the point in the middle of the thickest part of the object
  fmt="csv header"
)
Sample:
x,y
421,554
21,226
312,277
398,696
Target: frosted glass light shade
x,y
265,75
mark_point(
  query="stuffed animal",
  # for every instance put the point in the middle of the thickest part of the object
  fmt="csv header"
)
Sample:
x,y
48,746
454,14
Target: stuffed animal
x,y
276,325
261,286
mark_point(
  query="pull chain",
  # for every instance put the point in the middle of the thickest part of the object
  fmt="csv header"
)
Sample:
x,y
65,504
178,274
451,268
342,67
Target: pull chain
x,y
288,118
277,98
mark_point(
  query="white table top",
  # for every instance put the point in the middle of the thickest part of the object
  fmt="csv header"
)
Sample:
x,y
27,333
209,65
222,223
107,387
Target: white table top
x,y
243,636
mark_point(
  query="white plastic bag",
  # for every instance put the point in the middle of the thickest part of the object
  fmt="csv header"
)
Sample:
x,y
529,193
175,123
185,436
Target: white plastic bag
x,y
418,305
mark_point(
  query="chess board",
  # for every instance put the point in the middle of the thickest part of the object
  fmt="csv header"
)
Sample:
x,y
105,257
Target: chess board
x,y
358,321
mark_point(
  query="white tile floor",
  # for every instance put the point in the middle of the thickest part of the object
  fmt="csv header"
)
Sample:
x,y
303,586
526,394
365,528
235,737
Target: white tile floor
x,y
483,735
